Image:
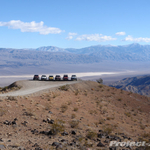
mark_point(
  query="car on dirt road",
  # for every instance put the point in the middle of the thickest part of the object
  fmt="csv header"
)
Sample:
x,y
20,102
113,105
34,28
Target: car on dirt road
x,y
57,77
51,78
73,77
65,77
43,77
36,77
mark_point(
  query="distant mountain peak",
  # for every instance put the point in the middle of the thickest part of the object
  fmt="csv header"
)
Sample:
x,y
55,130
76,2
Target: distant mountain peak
x,y
51,49
109,45
135,44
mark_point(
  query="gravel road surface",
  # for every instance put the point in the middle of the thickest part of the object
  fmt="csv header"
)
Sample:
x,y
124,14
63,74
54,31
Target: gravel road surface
x,y
30,87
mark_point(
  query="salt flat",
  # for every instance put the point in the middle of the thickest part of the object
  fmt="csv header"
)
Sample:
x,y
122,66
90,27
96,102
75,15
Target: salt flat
x,y
8,79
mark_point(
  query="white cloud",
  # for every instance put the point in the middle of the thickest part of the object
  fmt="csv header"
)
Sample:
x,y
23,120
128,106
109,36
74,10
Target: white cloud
x,y
140,39
31,27
95,37
70,35
120,33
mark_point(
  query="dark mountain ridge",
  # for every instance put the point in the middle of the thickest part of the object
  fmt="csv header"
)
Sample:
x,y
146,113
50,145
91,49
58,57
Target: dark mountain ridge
x,y
139,84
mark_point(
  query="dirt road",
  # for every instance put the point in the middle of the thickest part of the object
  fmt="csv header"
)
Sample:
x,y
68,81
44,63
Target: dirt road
x,y
30,87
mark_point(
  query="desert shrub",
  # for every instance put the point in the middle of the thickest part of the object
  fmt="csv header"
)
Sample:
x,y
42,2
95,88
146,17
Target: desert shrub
x,y
69,102
2,112
85,93
80,139
142,126
91,135
47,106
108,118
146,135
101,121
48,99
88,144
128,114
97,103
75,109
100,80
55,95
13,86
74,123
96,124
64,108
104,110
64,87
92,112
57,127
119,99
29,112
73,116
12,98
115,125
139,109
100,86
108,96
130,93
125,104
108,130
5,88
100,106
76,92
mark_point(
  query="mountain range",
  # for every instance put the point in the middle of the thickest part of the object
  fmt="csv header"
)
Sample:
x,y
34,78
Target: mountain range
x,y
88,55
132,52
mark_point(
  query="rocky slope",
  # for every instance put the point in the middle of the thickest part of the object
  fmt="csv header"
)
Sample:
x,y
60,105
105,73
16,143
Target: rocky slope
x,y
140,85
82,116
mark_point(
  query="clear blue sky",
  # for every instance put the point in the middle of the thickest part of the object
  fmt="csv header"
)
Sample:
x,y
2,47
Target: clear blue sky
x,y
73,23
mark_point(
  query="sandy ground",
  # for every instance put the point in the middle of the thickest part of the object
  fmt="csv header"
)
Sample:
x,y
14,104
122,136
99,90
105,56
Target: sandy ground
x,y
92,106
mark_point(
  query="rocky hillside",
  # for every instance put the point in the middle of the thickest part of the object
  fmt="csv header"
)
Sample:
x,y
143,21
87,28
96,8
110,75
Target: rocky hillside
x,y
81,116
140,85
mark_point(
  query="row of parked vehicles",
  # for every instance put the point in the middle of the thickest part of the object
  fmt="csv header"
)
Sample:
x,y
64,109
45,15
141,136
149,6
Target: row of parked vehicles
x,y
56,78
